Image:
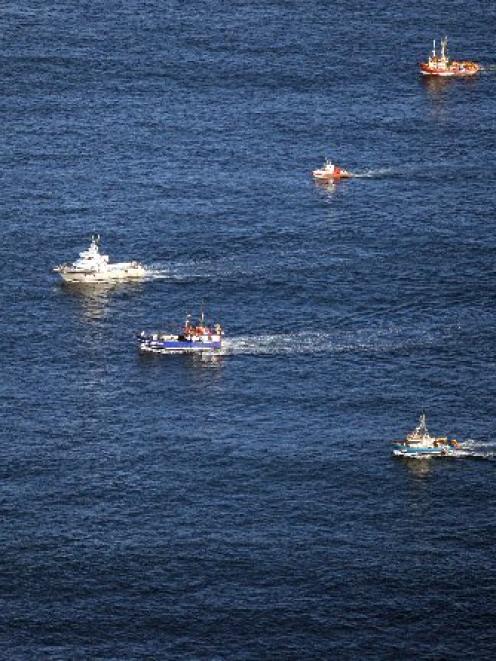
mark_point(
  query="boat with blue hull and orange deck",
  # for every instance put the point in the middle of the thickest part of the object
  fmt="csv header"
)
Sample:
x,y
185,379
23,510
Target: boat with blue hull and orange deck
x,y
194,338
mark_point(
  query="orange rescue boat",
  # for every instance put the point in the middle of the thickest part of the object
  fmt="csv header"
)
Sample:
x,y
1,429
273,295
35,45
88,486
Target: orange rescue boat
x,y
330,172
441,65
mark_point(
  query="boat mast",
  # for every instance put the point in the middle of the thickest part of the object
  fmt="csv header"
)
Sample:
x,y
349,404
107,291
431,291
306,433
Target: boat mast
x,y
444,48
434,49
422,426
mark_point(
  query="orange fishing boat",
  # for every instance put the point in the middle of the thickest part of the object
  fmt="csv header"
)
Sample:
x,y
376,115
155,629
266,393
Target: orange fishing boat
x,y
330,172
441,65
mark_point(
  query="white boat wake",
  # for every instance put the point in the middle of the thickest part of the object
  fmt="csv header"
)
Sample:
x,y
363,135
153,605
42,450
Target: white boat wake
x,y
158,274
373,173
176,272
282,344
477,449
307,342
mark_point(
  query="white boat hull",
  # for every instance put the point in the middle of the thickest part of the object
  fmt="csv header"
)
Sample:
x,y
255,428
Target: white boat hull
x,y
73,276
93,267
439,74
426,453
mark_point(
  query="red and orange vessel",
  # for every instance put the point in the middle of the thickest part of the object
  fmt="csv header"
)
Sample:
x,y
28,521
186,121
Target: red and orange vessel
x,y
441,65
330,172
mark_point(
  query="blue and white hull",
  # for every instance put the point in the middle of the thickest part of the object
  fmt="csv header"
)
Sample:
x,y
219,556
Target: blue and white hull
x,y
419,444
195,338
179,346
410,452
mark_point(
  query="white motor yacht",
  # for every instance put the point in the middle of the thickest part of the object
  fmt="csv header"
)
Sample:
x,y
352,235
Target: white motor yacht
x,y
92,267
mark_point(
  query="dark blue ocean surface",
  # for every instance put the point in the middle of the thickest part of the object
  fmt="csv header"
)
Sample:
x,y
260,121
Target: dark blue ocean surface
x,y
247,507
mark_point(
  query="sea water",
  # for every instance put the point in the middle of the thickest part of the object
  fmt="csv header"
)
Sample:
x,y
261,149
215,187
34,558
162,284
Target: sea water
x,y
247,507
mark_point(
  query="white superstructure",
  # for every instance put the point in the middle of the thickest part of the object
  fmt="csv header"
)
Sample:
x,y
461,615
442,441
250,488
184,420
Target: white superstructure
x,y
327,169
420,436
92,266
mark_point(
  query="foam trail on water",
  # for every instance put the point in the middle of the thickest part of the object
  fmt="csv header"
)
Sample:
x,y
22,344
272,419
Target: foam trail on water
x,y
278,344
373,173
153,273
177,272
477,449
315,342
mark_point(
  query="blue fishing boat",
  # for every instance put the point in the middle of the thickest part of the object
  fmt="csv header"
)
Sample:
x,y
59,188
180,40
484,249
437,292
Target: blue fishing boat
x,y
194,338
420,444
